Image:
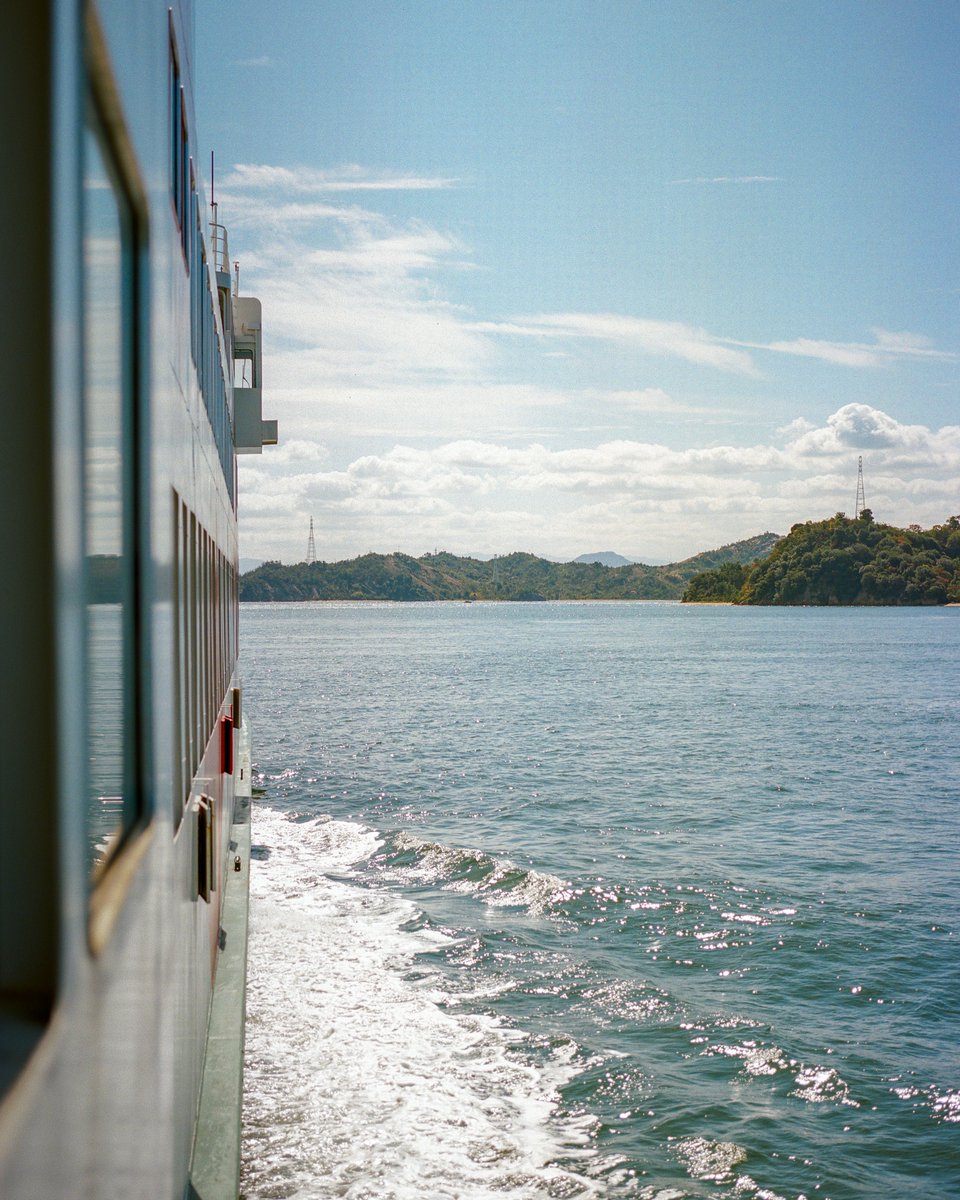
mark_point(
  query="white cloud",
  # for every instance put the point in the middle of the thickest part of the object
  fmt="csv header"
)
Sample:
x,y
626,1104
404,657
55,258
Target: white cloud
x,y
913,344
347,178
296,451
408,422
259,216
886,348
676,339
359,323
351,301
831,352
671,339
796,427
858,427
644,498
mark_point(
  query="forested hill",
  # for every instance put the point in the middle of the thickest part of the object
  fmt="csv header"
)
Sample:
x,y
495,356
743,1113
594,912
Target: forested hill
x,y
844,561
511,577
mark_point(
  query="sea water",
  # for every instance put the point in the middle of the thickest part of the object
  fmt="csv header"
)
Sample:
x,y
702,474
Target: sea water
x,y
603,900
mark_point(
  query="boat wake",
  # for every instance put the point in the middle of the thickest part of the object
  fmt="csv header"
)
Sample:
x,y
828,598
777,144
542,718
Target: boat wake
x,y
359,1082
496,881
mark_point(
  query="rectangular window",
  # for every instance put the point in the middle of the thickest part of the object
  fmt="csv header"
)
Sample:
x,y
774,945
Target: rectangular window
x,y
183,764
193,713
204,620
218,621
109,328
178,763
205,643
244,375
174,117
181,183
186,172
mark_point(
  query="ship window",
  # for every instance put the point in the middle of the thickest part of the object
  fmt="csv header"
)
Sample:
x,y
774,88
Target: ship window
x,y
244,375
174,102
181,767
192,606
205,644
180,164
108,364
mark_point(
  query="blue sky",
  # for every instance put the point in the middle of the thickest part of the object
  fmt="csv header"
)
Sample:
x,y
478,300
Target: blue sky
x,y
574,276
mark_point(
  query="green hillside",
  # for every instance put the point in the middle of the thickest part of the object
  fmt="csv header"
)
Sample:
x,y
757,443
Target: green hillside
x,y
517,576
845,561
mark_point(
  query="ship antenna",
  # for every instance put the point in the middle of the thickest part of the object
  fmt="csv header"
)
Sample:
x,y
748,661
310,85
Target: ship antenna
x,y
861,502
311,545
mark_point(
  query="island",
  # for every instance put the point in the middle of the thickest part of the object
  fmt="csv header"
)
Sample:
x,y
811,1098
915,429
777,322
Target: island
x,y
444,576
843,561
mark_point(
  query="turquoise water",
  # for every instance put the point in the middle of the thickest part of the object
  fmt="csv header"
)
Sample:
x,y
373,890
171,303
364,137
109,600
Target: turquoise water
x,y
604,900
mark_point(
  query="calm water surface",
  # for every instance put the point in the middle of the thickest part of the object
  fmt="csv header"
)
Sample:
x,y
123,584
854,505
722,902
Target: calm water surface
x,y
603,900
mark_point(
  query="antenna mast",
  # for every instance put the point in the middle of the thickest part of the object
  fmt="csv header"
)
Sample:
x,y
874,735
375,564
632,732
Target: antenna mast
x,y
861,501
311,545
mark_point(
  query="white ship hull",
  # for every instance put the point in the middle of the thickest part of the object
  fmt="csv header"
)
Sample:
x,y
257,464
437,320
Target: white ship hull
x,y
111,895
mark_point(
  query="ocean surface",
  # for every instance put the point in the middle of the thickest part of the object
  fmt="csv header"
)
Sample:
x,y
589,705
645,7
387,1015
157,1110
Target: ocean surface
x,y
603,900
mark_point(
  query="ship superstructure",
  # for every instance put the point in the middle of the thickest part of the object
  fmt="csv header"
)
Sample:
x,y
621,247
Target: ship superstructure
x,y
132,380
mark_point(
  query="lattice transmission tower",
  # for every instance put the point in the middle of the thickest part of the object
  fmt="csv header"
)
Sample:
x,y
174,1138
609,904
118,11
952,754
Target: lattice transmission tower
x,y
311,545
861,502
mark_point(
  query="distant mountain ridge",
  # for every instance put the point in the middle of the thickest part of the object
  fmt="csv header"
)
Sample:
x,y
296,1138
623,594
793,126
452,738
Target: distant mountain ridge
x,y
517,576
606,558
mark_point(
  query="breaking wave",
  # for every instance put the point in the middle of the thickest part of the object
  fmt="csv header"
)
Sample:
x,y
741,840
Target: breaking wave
x,y
496,881
360,1083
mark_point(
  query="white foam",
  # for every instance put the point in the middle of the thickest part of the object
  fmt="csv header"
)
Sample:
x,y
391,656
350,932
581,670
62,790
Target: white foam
x,y
438,864
358,1083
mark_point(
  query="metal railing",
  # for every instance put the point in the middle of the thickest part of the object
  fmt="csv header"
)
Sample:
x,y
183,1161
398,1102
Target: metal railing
x,y
221,251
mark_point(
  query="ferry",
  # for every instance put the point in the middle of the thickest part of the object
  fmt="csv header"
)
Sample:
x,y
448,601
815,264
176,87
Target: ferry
x,y
131,383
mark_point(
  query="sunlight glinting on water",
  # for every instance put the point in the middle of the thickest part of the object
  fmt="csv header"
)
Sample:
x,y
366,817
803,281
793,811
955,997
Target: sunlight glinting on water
x,y
585,901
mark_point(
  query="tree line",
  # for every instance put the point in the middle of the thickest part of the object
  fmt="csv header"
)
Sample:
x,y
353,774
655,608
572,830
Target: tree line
x,y
445,576
843,561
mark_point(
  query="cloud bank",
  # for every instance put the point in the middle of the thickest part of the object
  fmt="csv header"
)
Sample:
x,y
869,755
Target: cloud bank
x,y
410,421
648,500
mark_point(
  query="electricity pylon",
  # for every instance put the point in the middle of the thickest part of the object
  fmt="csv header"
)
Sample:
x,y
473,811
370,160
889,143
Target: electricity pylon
x,y
861,501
